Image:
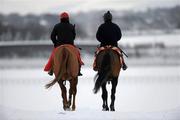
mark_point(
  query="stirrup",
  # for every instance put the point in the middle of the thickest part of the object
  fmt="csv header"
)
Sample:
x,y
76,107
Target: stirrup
x,y
50,72
124,67
80,74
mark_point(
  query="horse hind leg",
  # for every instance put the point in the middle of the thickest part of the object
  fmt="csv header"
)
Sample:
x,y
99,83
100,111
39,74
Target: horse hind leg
x,y
113,91
73,91
70,93
70,96
64,95
104,97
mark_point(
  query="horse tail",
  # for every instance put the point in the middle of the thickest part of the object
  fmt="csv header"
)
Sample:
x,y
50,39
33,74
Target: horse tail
x,y
51,83
61,71
103,73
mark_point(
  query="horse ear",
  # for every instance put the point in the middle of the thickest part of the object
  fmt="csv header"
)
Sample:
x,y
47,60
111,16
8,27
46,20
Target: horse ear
x,y
74,26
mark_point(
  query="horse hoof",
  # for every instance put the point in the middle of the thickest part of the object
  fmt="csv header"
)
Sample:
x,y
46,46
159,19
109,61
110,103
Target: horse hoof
x,y
105,109
67,109
112,108
73,108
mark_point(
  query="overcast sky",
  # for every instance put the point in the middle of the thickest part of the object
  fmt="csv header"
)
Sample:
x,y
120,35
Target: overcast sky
x,y
56,6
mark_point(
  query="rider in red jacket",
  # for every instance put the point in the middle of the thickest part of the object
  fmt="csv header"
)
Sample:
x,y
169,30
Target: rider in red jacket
x,y
63,32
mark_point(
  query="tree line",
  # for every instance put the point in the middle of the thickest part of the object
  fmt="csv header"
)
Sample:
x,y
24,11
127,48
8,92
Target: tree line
x,y
38,27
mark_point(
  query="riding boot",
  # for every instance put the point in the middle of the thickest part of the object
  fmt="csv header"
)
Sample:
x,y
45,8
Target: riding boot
x,y
124,67
80,74
50,72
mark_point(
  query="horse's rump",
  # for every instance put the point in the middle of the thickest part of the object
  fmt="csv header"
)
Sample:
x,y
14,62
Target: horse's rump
x,y
66,65
115,61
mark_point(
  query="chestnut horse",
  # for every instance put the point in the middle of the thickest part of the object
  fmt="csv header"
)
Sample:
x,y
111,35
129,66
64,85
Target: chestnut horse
x,y
66,67
108,62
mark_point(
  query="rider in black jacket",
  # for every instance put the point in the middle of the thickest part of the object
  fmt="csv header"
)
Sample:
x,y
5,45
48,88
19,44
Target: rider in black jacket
x,y
109,33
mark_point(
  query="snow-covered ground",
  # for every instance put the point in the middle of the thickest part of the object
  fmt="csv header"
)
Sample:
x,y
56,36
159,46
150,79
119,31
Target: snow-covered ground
x,y
143,93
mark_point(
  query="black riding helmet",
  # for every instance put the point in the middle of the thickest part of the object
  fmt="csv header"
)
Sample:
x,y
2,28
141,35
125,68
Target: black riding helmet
x,y
107,16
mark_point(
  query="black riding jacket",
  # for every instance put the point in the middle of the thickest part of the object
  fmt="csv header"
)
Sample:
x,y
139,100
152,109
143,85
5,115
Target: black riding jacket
x,y
63,33
108,34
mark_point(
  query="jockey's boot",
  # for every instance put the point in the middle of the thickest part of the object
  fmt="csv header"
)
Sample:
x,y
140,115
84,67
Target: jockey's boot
x,y
95,68
124,67
50,72
80,74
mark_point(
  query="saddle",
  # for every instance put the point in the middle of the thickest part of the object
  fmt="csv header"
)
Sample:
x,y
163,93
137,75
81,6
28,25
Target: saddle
x,y
48,66
99,49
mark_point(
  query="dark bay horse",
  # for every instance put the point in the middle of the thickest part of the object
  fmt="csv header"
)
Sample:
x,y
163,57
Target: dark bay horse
x,y
66,67
108,63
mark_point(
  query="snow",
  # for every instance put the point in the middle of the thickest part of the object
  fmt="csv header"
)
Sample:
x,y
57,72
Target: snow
x,y
89,114
153,95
